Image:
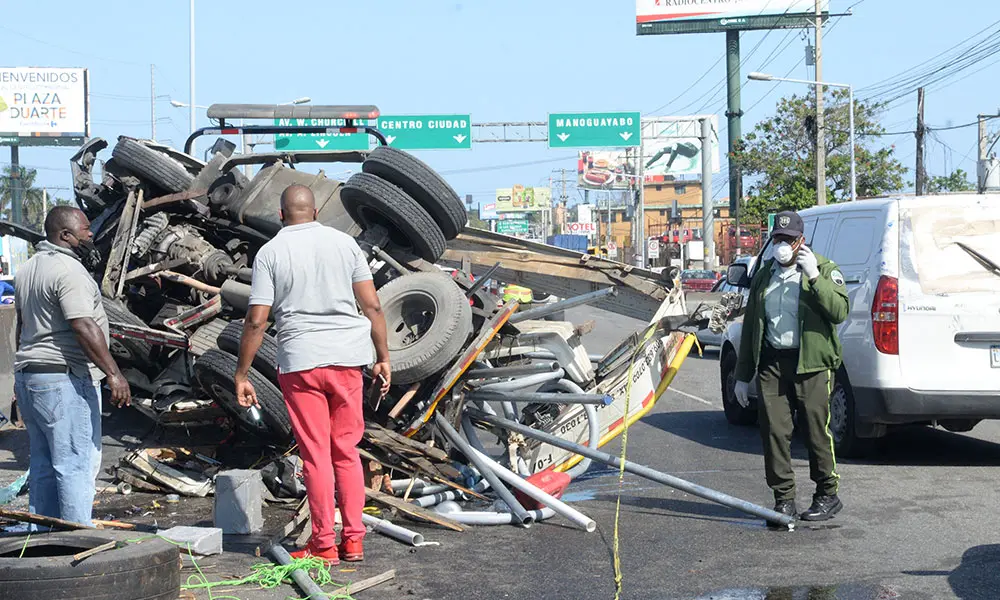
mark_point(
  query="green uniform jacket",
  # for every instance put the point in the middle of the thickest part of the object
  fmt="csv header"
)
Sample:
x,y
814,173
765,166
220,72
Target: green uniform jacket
x,y
823,305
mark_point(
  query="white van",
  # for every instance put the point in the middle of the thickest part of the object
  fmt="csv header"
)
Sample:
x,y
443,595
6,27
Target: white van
x,y
922,339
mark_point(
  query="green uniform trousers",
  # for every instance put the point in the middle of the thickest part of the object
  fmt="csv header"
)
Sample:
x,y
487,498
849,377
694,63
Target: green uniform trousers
x,y
782,393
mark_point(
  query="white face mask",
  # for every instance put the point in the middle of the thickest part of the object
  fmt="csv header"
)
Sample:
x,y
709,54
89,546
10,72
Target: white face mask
x,y
783,253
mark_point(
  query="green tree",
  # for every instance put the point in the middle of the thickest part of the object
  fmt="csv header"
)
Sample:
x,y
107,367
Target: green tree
x,y
958,181
779,156
32,204
475,221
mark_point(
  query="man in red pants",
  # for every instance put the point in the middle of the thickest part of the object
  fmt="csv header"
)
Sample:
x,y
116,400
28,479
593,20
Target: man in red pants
x,y
312,276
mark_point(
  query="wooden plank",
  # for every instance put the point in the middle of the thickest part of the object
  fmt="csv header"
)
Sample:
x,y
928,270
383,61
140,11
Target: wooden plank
x,y
413,471
27,517
364,584
413,510
377,433
171,198
88,553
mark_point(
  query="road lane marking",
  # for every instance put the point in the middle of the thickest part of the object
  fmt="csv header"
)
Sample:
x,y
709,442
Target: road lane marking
x,y
691,396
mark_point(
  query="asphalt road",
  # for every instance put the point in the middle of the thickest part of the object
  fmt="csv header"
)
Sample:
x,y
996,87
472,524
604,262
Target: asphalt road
x,y
918,524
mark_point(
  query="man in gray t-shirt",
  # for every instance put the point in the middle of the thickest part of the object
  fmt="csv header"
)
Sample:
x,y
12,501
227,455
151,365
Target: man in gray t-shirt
x,y
314,278
62,355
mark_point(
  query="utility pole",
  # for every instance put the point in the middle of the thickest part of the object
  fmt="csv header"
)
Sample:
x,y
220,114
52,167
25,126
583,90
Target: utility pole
x,y
15,184
152,103
707,218
921,172
191,107
734,113
981,163
820,133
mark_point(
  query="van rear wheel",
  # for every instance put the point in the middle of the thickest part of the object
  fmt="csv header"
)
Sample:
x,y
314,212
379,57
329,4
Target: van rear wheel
x,y
843,422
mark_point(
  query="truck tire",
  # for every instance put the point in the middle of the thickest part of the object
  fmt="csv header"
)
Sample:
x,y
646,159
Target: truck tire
x,y
428,321
266,360
433,193
129,352
370,200
150,569
215,369
843,421
735,414
165,172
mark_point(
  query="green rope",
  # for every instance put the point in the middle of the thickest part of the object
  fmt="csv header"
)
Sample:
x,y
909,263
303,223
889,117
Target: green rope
x,y
25,547
265,575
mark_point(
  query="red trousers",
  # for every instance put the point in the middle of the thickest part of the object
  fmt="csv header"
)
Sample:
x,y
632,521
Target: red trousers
x,y
325,406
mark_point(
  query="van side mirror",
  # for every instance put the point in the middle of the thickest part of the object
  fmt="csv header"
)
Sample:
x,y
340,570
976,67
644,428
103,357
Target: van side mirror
x,y
738,275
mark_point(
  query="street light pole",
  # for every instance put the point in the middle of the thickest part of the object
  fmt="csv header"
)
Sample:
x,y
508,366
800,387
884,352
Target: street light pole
x,y
850,92
191,104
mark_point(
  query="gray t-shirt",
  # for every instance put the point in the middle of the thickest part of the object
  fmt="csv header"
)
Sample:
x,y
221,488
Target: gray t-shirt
x,y
306,274
50,290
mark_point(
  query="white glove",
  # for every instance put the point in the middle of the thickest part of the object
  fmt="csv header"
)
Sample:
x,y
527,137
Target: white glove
x,y
807,261
743,393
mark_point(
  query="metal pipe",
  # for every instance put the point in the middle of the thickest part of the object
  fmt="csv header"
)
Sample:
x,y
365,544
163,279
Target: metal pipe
x,y
400,485
433,499
389,529
301,578
455,513
562,509
539,397
523,518
392,262
593,424
637,469
190,282
509,410
547,355
520,383
515,371
478,283
548,309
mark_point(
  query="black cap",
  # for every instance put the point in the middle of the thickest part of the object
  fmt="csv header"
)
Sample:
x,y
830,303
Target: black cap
x,y
788,223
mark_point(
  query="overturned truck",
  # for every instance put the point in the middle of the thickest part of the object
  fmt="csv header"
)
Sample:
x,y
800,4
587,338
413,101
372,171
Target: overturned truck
x,y
179,236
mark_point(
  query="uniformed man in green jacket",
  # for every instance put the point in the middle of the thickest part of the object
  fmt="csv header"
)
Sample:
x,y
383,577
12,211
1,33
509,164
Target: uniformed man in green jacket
x,y
789,338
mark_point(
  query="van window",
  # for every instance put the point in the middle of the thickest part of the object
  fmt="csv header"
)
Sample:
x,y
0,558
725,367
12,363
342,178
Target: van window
x,y
854,242
809,226
819,240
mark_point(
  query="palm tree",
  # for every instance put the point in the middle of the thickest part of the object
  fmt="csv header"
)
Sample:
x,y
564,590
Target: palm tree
x,y
32,212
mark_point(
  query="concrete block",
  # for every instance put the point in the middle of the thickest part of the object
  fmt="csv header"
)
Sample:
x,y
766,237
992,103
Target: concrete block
x,y
203,540
239,499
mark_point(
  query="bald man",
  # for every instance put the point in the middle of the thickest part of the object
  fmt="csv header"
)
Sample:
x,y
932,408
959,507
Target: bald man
x,y
314,278
62,356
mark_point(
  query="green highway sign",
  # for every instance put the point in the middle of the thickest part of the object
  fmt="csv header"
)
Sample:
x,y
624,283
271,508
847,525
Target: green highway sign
x,y
512,227
333,140
594,130
427,132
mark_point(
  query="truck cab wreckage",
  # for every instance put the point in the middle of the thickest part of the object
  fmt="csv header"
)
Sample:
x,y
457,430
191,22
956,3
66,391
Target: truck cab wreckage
x,y
179,235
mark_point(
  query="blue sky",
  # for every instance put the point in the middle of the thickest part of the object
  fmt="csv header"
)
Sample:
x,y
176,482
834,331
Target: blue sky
x,y
498,61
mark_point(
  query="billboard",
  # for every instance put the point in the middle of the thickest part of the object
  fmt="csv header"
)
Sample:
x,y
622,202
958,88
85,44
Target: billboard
x,y
704,16
488,212
523,199
579,228
41,106
671,146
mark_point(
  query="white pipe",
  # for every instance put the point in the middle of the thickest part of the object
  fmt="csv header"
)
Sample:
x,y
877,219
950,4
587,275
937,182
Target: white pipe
x,y
455,513
522,382
392,530
593,425
400,485
564,510
433,499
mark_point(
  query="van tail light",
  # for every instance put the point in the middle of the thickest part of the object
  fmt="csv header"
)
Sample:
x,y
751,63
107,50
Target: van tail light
x,y
885,315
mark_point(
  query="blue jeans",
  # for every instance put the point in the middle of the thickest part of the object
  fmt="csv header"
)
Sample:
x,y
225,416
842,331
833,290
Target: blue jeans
x,y
62,413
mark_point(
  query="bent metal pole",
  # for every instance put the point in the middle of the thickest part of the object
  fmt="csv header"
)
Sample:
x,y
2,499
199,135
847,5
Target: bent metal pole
x,y
636,469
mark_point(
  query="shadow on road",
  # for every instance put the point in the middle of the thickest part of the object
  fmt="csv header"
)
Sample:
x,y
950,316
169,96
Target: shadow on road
x,y
976,577
904,446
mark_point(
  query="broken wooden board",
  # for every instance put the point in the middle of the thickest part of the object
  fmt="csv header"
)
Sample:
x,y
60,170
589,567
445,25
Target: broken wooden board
x,y
413,510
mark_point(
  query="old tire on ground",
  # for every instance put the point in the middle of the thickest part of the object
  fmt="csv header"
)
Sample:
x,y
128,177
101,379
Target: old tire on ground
x,y
266,360
428,320
735,414
371,200
149,569
157,167
215,369
410,174
129,352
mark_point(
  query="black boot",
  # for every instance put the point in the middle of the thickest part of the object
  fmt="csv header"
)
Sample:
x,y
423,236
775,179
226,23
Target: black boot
x,y
823,508
785,507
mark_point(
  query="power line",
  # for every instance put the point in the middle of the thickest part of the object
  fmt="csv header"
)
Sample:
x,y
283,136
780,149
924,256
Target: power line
x,y
508,166
65,49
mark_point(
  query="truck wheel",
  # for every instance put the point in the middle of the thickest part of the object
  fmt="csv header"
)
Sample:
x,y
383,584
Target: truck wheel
x,y
266,360
735,414
129,352
373,201
148,569
215,369
433,193
428,320
157,167
843,422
